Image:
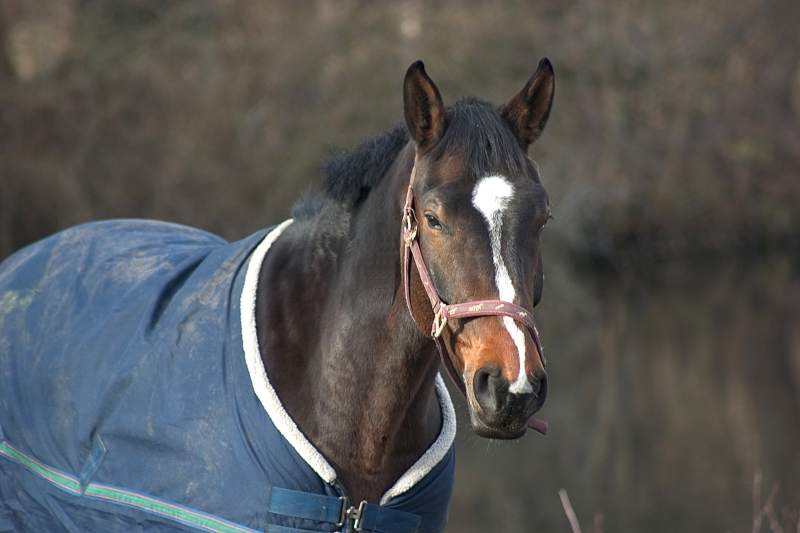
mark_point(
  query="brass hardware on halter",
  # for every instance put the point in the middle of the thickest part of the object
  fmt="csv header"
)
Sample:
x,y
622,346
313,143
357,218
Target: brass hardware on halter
x,y
410,227
439,322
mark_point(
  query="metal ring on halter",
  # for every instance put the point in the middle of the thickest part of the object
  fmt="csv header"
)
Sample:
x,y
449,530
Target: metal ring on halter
x,y
410,227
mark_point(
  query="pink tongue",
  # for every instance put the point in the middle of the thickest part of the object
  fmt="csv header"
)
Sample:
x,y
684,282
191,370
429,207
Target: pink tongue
x,y
537,424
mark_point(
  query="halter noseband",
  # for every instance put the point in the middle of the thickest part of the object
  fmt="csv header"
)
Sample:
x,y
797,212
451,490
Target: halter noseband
x,y
443,312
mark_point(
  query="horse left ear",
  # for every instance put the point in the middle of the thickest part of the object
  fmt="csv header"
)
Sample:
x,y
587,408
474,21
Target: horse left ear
x,y
528,111
424,109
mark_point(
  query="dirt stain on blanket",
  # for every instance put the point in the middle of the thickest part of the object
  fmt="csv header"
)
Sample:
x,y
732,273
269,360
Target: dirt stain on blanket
x,y
15,301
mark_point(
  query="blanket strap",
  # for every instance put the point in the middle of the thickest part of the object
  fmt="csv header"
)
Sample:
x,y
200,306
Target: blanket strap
x,y
367,517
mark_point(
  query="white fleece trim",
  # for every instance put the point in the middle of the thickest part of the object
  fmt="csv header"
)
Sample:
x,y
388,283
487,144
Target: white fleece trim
x,y
258,374
274,408
435,453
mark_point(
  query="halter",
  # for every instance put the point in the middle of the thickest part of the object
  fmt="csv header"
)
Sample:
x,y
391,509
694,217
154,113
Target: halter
x,y
443,312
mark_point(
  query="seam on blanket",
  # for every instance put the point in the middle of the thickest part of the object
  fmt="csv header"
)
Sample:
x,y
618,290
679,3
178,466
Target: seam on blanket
x,y
124,497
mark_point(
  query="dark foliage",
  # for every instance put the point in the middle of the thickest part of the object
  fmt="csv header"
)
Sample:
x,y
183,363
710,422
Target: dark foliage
x,y
674,131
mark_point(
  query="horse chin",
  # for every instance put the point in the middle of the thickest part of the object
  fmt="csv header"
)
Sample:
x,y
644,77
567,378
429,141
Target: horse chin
x,y
505,429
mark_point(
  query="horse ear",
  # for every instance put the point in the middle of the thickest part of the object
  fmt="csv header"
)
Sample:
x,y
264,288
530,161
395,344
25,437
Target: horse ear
x,y
424,109
528,111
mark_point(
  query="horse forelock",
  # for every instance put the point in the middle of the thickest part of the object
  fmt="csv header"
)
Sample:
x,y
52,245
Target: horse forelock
x,y
483,140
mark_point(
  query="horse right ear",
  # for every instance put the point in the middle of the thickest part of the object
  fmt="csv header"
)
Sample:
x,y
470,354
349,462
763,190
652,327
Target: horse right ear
x,y
528,111
424,109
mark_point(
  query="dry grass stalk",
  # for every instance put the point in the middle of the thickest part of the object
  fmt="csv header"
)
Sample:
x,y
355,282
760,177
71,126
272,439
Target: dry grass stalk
x,y
768,510
773,518
598,523
757,502
573,520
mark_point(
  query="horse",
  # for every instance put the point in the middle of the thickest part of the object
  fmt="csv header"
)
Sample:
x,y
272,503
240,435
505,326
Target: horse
x,y
155,377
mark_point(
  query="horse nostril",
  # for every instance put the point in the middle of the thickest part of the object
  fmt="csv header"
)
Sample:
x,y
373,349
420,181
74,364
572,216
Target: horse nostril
x,y
489,386
536,386
539,385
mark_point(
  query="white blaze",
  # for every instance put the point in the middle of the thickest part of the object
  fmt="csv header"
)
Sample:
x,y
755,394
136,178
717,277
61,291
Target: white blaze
x,y
491,197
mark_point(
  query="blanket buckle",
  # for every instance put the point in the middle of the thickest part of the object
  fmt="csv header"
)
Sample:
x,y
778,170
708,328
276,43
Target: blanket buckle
x,y
352,513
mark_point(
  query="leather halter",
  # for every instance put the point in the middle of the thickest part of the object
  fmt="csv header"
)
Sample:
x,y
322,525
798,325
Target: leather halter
x,y
443,312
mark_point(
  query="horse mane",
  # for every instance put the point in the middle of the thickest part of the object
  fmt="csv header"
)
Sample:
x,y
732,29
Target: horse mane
x,y
349,176
475,129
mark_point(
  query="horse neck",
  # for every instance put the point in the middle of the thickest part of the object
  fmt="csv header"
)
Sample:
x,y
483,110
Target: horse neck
x,y
339,345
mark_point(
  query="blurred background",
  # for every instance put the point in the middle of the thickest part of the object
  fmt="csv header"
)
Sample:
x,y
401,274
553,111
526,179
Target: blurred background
x,y
671,313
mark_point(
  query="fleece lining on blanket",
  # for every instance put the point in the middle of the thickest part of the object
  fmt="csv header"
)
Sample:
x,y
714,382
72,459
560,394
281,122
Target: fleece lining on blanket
x,y
131,397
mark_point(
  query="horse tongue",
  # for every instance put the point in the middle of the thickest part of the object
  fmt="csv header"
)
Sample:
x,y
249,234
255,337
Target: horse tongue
x,y
537,424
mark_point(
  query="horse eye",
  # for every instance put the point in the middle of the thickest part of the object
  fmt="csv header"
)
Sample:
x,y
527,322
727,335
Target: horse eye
x,y
433,222
549,217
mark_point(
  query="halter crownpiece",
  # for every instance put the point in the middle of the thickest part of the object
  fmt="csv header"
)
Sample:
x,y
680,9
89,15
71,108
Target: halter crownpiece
x,y
443,312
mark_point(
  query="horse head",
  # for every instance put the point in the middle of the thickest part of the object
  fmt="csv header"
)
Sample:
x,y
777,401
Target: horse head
x,y
478,208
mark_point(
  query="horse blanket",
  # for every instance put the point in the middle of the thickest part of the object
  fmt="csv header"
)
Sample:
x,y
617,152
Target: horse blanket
x,y
133,396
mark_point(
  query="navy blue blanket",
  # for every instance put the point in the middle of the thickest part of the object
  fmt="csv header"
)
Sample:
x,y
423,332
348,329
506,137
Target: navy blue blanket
x,y
133,398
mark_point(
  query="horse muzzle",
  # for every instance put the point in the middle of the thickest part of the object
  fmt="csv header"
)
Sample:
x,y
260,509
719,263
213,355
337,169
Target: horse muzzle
x,y
497,413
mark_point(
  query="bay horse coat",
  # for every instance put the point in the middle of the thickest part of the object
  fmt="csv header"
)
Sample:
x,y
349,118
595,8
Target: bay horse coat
x,y
133,398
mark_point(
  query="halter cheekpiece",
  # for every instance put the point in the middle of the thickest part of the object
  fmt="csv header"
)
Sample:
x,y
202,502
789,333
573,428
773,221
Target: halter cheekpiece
x,y
443,312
